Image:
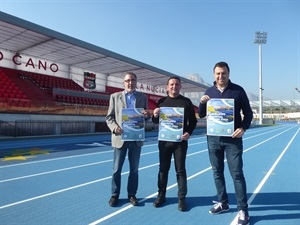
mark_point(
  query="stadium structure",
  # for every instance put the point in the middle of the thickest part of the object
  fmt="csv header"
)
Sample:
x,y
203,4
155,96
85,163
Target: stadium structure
x,y
53,84
278,109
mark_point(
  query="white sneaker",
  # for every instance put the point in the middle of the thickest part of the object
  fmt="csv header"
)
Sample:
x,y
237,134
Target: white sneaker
x,y
244,218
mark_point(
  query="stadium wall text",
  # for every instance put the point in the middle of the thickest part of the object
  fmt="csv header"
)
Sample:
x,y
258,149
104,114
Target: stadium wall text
x,y
17,59
24,62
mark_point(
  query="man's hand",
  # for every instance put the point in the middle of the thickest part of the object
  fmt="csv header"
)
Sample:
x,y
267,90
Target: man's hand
x,y
239,132
204,99
156,112
185,136
118,131
146,113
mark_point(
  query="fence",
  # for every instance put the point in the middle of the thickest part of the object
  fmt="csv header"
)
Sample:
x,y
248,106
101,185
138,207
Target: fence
x,y
38,128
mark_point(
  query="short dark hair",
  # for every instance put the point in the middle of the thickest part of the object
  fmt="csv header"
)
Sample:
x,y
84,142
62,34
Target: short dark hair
x,y
130,73
222,64
174,77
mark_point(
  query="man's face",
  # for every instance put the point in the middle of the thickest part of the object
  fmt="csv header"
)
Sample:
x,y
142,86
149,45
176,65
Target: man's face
x,y
221,76
129,83
173,87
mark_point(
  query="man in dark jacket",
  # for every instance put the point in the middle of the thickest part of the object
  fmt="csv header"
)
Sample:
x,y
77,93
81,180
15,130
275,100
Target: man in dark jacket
x,y
232,147
178,149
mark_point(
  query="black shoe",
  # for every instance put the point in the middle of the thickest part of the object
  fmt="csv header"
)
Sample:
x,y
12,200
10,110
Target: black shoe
x,y
159,201
181,205
133,200
113,201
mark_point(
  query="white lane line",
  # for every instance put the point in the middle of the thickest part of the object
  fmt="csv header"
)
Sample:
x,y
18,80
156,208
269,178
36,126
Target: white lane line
x,y
142,200
93,144
81,185
109,151
52,193
259,187
54,171
99,180
173,185
64,169
56,159
65,157
74,167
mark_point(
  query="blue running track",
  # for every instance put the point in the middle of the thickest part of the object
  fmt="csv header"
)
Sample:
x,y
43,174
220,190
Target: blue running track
x,y
66,180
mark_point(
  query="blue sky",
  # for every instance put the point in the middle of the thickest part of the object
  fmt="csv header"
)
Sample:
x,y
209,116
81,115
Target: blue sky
x,y
185,36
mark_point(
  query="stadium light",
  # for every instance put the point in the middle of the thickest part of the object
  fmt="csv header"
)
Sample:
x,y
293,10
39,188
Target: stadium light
x,y
260,38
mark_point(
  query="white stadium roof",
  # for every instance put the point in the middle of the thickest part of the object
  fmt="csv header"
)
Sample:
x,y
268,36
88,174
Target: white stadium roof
x,y
20,36
273,105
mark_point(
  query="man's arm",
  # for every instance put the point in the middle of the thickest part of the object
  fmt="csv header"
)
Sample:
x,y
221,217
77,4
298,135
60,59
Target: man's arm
x,y
247,111
111,116
192,120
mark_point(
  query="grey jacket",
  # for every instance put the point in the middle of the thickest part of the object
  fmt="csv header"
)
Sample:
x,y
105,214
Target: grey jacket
x,y
114,115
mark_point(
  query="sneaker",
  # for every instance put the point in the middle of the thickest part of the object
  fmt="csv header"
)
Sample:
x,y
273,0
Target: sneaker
x,y
243,218
219,208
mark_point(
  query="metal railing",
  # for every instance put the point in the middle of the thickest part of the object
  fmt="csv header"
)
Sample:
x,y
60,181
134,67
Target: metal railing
x,y
46,128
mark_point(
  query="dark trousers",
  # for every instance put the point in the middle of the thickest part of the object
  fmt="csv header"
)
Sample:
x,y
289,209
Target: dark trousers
x,y
178,150
134,153
232,148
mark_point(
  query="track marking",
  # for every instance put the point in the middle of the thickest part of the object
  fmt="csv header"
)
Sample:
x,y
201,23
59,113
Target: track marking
x,y
175,184
109,151
269,173
84,184
102,179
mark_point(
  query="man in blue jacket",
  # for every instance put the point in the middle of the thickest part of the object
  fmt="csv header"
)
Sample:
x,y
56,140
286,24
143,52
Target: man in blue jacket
x,y
232,147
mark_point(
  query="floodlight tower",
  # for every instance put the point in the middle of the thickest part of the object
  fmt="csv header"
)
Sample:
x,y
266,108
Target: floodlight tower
x,y
260,38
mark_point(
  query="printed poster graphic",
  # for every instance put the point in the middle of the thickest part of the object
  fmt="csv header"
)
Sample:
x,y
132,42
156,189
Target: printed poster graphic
x,y
133,124
220,117
171,124
89,81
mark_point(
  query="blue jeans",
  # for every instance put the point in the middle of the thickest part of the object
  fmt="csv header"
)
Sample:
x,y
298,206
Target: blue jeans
x,y
166,150
134,153
218,147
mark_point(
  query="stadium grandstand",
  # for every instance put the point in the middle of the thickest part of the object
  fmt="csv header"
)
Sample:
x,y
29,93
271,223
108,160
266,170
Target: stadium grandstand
x,y
285,110
54,84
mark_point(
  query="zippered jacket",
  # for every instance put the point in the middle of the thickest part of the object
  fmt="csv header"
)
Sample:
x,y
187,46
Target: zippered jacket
x,y
241,104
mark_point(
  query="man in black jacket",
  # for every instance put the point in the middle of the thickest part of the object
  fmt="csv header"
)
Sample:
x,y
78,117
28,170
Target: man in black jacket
x,y
178,149
232,147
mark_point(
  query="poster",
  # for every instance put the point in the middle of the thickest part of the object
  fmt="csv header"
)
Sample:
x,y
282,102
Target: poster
x,y
220,117
133,124
171,124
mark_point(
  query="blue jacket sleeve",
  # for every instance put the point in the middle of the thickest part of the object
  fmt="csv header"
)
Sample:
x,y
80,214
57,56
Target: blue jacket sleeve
x,y
247,111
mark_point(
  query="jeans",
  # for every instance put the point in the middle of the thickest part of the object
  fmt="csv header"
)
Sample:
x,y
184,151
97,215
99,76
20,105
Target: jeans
x,y
166,150
134,153
218,147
